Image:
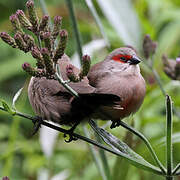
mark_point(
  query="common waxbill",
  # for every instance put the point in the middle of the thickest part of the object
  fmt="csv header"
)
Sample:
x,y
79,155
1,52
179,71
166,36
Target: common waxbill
x,y
51,101
119,74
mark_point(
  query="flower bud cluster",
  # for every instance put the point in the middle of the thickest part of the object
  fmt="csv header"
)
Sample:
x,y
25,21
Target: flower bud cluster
x,y
149,46
171,67
86,63
44,51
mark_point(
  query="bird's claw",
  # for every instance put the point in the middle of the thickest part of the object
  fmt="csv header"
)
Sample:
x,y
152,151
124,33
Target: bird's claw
x,y
71,137
70,133
37,124
115,124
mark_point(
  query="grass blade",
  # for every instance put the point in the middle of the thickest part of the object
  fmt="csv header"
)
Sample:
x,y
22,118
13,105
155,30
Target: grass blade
x,y
123,150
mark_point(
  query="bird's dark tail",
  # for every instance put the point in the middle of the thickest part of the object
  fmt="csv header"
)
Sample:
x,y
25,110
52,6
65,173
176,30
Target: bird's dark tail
x,y
87,104
95,99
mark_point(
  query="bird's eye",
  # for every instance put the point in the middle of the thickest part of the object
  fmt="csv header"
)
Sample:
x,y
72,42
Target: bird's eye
x,y
123,58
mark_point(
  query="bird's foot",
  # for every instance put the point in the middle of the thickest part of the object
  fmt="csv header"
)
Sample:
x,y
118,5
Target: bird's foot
x,y
71,137
37,124
115,124
70,133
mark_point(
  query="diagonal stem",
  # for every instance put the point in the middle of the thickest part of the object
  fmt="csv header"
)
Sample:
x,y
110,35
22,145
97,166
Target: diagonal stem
x,y
75,28
63,83
154,170
142,137
176,169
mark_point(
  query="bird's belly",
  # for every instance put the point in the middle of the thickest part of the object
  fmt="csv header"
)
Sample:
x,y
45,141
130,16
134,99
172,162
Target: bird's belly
x,y
131,100
129,106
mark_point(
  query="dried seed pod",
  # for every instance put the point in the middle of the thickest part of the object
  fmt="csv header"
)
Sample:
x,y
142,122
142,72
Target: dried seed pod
x,y
47,61
15,23
23,19
70,73
8,39
20,42
86,64
61,46
44,23
38,56
57,26
5,178
32,71
33,16
47,40
169,67
29,40
149,46
177,68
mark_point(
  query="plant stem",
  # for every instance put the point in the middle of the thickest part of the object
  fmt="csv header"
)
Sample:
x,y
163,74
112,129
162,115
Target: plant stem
x,y
154,170
176,169
142,137
169,157
43,7
158,81
157,77
61,81
75,28
39,41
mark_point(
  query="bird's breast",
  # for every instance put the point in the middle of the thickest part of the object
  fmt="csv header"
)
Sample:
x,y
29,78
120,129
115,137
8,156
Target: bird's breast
x,y
131,90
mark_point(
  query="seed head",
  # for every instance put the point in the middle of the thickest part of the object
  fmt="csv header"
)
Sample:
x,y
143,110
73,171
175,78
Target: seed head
x,y
8,39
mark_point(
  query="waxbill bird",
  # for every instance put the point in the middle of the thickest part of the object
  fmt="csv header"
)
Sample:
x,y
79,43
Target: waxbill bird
x,y
119,74
51,101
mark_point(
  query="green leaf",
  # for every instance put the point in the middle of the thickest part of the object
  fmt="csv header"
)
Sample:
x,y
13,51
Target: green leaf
x,y
7,108
123,18
124,150
15,98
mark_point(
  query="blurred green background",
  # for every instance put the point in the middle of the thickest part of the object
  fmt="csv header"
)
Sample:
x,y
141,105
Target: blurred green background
x,y
125,22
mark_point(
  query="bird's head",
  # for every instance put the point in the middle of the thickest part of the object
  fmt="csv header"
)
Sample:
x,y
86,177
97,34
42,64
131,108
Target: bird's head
x,y
124,55
124,59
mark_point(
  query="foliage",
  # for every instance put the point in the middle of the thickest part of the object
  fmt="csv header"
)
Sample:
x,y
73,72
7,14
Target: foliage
x,y
23,157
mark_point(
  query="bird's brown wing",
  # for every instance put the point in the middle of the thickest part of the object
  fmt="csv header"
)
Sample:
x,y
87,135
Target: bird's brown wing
x,y
50,99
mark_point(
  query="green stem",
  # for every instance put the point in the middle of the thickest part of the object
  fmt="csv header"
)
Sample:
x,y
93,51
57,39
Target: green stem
x,y
63,83
43,7
169,157
39,41
157,77
158,81
154,170
142,137
176,169
75,28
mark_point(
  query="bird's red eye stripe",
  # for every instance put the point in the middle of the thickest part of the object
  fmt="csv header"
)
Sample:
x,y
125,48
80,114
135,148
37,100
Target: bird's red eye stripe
x,y
121,58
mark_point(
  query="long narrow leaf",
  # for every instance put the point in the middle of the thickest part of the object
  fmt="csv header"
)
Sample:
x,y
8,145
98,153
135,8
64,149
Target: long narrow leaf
x,y
122,17
124,150
7,108
15,98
